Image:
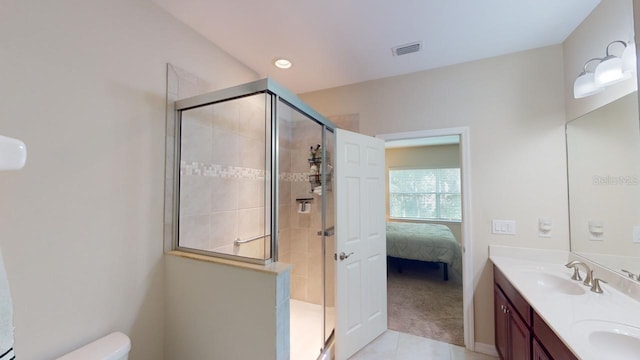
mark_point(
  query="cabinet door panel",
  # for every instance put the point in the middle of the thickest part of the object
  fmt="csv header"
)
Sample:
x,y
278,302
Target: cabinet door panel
x,y
520,337
538,351
501,323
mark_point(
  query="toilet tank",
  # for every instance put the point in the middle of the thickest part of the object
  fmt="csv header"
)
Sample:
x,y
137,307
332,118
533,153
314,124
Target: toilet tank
x,y
114,346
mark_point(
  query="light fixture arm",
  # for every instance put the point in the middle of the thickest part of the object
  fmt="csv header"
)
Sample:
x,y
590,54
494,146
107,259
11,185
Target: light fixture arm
x,y
613,42
611,69
584,68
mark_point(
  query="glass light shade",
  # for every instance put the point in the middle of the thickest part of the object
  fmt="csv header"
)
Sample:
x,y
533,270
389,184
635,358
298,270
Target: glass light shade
x,y
13,153
629,58
585,85
609,71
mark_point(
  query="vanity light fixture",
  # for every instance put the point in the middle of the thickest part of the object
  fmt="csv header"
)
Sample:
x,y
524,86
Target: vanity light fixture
x,y
585,85
13,153
629,57
610,70
282,63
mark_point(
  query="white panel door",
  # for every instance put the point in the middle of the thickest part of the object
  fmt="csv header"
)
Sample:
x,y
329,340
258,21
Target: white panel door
x,y
361,271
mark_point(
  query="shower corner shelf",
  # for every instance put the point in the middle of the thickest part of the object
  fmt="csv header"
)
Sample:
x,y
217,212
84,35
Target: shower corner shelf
x,y
316,179
315,160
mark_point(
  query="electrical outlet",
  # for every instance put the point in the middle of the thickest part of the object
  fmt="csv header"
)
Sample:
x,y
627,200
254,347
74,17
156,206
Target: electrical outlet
x,y
596,230
544,227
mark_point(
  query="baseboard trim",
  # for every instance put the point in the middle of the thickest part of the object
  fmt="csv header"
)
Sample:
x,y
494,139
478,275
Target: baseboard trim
x,y
487,349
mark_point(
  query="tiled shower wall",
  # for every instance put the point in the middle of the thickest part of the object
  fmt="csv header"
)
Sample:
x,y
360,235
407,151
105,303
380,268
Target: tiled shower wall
x,y
299,242
222,188
223,174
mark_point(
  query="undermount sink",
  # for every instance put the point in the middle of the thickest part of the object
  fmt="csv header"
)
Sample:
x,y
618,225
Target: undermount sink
x,y
554,283
608,339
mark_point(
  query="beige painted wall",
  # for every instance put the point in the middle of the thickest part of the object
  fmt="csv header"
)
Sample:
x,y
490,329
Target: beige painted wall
x,y
516,118
83,84
225,312
432,157
609,21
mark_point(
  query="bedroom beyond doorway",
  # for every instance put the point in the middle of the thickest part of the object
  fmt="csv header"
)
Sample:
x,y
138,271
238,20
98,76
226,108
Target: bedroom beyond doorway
x,y
425,247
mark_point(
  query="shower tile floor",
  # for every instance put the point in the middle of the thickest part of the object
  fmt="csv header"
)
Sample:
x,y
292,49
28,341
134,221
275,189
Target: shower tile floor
x,y
306,340
306,330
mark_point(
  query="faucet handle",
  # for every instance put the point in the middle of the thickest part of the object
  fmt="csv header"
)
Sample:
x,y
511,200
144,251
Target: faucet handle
x,y
596,286
631,275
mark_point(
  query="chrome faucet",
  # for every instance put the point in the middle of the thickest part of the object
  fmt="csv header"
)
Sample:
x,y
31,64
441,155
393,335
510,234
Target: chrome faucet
x,y
596,284
593,283
632,275
588,281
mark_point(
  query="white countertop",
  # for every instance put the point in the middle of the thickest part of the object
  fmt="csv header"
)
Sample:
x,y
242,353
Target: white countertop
x,y
566,314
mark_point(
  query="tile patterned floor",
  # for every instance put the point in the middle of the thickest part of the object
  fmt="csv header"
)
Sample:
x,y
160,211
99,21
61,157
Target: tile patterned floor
x,y
394,345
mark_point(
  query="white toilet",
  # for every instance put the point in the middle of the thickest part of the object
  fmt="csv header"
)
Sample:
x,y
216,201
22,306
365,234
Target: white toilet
x,y
114,346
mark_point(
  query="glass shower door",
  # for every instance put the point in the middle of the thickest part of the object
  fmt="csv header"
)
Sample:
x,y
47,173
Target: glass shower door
x,y
329,241
303,224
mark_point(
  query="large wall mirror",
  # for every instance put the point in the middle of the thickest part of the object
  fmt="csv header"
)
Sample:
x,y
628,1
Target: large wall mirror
x,y
603,154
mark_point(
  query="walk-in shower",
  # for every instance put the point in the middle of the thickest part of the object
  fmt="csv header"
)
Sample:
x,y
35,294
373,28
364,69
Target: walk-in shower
x,y
253,178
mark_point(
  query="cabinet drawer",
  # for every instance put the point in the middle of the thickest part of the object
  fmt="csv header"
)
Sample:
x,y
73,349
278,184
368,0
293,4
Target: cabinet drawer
x,y
550,341
519,303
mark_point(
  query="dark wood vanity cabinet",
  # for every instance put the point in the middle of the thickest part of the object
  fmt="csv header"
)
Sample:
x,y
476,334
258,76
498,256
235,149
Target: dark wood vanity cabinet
x,y
520,333
512,321
538,351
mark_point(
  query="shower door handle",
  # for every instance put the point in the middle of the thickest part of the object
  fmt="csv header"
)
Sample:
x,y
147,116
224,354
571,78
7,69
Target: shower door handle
x,y
344,256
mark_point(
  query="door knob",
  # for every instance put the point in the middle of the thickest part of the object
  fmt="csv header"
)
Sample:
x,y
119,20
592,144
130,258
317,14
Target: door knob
x,y
344,256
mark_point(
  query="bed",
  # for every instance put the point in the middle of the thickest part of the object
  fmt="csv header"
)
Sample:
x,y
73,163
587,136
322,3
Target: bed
x,y
425,242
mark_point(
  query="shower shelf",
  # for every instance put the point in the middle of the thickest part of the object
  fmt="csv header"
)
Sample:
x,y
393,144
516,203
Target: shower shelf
x,y
315,160
316,179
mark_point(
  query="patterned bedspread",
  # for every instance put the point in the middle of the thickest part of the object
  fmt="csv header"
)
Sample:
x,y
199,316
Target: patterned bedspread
x,y
425,242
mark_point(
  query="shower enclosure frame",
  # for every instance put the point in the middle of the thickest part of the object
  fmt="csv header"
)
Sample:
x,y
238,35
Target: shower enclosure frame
x,y
278,93
274,95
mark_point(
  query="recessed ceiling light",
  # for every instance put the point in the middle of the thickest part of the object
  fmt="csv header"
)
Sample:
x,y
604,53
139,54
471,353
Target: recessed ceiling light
x,y
282,63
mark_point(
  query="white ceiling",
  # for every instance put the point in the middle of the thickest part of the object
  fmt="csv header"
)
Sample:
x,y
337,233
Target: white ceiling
x,y
340,42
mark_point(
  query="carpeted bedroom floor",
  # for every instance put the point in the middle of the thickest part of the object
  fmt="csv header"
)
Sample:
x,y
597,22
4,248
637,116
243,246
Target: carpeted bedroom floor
x,y
421,303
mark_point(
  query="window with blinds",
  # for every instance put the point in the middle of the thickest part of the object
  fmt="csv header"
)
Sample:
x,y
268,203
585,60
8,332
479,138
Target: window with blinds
x,y
425,194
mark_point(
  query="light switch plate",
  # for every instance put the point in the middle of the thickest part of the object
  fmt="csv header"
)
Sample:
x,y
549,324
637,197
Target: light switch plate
x,y
503,227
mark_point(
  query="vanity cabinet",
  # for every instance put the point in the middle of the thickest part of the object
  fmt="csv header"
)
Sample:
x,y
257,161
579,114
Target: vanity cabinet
x,y
512,322
538,351
520,333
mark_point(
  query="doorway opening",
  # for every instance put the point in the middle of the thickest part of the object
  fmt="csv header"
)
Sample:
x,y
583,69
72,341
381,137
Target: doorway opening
x,y
429,278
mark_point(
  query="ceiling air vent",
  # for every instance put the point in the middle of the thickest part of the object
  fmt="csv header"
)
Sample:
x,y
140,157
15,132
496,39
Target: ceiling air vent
x,y
407,48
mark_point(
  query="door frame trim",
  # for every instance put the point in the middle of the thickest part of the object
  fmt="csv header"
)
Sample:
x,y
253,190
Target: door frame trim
x,y
467,235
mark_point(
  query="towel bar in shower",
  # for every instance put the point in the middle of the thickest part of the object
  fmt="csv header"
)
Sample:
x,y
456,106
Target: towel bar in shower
x,y
238,241
329,232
